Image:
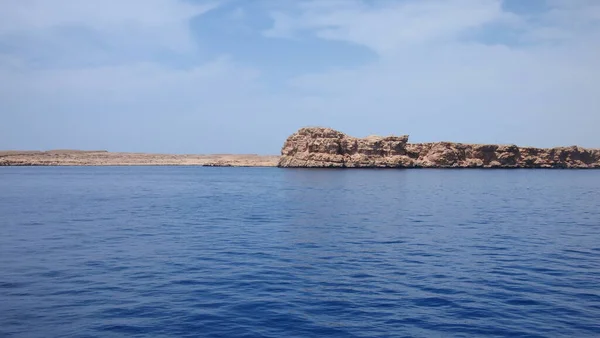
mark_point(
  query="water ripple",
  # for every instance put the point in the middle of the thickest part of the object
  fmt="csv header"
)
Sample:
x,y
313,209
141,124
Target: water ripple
x,y
231,252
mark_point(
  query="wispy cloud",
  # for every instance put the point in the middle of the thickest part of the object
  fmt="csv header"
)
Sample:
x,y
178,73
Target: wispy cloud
x,y
388,25
51,33
385,26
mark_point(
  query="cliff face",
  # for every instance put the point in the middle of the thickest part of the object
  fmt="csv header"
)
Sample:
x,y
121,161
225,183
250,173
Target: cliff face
x,y
328,148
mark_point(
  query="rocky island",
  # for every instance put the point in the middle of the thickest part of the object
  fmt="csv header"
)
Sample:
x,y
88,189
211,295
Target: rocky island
x,y
327,148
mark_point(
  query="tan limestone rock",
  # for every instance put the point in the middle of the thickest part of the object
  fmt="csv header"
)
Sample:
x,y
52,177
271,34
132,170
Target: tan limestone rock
x,y
327,148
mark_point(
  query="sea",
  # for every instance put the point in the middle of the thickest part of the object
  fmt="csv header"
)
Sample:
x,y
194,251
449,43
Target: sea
x,y
269,252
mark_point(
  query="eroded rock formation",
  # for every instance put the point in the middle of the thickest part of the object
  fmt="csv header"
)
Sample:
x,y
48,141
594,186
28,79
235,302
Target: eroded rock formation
x,y
328,148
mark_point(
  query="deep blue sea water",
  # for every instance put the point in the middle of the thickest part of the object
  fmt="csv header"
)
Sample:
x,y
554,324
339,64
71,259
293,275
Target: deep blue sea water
x,y
266,252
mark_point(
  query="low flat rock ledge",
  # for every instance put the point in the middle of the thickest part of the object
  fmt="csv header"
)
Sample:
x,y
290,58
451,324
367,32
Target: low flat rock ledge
x,y
317,147
104,158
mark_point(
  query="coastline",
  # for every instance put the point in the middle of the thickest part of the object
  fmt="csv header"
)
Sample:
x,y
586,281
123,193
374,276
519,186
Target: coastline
x,y
318,147
105,158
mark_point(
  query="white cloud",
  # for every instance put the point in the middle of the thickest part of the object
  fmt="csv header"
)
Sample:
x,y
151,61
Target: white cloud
x,y
131,82
564,21
114,23
389,25
101,14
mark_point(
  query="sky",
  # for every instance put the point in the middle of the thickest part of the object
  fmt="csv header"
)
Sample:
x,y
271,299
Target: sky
x,y
239,76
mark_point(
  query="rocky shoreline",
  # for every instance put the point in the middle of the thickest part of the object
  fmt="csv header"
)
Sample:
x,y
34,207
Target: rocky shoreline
x,y
104,158
318,147
327,148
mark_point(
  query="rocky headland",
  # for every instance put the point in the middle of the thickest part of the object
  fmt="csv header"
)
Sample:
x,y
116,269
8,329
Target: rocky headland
x,y
327,148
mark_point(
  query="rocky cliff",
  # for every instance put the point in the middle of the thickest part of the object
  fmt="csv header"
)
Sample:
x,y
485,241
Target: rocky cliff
x,y
328,148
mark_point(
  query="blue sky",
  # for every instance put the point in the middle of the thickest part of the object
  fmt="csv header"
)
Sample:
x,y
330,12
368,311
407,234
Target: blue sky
x,y
239,76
